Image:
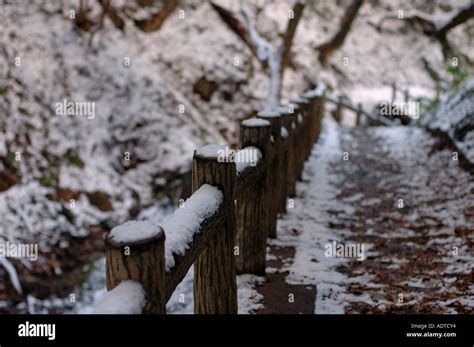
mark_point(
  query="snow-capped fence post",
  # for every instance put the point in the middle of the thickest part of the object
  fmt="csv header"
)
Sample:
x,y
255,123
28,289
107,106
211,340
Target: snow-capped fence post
x,y
304,132
276,167
394,91
359,113
320,111
289,123
316,100
215,288
136,251
254,201
407,95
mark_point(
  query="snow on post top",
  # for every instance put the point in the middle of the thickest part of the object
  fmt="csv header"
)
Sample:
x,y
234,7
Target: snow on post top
x,y
283,110
269,114
309,95
255,122
186,221
320,89
127,298
134,232
211,151
299,101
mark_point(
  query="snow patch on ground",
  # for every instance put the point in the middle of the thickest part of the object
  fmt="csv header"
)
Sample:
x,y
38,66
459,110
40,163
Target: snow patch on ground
x,y
127,298
310,218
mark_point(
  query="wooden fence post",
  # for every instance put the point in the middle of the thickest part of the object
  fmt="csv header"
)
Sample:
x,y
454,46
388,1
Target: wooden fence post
x,y
289,124
254,203
320,115
359,113
317,100
215,289
407,95
304,133
140,260
337,112
394,91
312,107
277,163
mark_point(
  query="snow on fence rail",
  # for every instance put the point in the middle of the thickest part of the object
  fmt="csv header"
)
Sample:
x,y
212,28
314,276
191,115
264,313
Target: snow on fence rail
x,y
223,227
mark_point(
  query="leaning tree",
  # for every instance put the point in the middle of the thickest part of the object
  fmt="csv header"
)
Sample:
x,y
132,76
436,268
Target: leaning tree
x,y
274,57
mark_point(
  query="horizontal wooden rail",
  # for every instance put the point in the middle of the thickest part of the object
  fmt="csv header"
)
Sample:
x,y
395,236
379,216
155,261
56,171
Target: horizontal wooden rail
x,y
222,229
339,102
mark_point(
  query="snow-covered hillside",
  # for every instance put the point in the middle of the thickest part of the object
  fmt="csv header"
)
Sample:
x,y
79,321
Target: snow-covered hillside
x,y
454,116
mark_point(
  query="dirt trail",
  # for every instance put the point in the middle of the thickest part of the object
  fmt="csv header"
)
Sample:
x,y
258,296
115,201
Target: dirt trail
x,y
398,193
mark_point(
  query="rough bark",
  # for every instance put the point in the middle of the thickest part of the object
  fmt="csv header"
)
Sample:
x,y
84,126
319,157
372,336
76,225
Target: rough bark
x,y
326,49
215,289
142,262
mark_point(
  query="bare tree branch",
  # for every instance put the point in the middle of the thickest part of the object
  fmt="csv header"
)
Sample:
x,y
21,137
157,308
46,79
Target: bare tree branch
x,y
326,49
234,24
435,26
274,57
263,47
156,20
112,13
297,13
458,17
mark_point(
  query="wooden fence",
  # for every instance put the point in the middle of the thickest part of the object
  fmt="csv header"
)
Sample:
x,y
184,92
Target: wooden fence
x,y
341,103
223,227
372,119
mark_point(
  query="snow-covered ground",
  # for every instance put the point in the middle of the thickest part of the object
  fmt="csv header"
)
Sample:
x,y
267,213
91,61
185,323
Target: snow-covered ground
x,y
408,204
454,116
310,217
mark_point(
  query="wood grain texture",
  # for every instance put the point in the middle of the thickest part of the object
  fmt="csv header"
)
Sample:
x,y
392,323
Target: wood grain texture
x,y
275,172
253,202
215,288
142,262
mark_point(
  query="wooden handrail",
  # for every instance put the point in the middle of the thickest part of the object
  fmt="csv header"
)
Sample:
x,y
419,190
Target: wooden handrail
x,y
357,109
223,227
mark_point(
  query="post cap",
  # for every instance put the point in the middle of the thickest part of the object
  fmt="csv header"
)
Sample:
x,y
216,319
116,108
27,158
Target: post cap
x,y
255,123
134,233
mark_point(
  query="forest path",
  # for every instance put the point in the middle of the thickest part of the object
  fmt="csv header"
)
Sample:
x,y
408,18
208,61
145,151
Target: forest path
x,y
394,194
